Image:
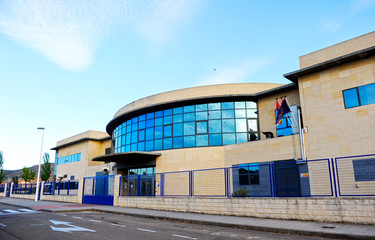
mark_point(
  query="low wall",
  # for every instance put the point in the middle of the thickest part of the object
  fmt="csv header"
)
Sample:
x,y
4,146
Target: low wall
x,y
60,198
347,210
23,196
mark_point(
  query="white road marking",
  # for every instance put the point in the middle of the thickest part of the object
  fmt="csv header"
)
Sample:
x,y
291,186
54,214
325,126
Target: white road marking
x,y
91,220
181,236
62,214
70,228
76,217
26,210
3,225
145,230
22,211
10,211
118,225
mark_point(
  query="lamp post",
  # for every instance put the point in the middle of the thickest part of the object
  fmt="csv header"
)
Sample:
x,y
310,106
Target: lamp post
x,y
40,160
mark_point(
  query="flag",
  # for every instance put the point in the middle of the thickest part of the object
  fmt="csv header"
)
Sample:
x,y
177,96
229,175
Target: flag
x,y
277,109
283,110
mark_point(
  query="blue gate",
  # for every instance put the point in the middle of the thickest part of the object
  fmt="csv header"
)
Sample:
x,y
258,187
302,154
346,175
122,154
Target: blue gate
x,y
98,190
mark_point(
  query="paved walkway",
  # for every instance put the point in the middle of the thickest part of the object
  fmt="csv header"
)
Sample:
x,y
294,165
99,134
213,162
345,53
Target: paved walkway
x,y
337,230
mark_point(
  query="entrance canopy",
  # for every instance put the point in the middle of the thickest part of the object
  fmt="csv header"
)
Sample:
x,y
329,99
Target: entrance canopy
x,y
127,157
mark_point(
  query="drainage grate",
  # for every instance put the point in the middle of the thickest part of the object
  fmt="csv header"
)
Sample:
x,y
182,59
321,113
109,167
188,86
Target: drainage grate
x,y
329,226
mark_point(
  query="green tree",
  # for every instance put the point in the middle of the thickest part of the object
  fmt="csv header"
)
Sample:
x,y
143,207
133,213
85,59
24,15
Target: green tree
x,y
2,175
15,180
27,174
46,168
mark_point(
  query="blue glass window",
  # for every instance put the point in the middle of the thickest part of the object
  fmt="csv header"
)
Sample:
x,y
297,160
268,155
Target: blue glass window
x,y
150,123
167,120
228,125
227,105
159,114
202,127
177,118
188,109
149,145
168,131
211,124
177,129
215,139
189,141
177,142
202,140
158,144
167,143
150,115
214,114
201,107
149,134
158,121
189,117
168,112
229,138
367,94
201,116
158,133
351,98
359,96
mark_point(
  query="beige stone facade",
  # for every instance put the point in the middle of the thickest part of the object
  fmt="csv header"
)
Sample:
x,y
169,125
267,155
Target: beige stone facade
x,y
89,145
330,130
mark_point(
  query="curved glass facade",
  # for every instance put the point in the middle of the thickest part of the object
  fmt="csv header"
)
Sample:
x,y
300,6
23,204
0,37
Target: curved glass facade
x,y
200,125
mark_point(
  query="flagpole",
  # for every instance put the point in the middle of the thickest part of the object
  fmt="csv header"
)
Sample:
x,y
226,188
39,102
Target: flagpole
x,y
301,137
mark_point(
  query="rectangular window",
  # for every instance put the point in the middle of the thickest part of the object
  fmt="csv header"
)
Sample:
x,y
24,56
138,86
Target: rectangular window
x,y
359,96
364,170
248,174
201,127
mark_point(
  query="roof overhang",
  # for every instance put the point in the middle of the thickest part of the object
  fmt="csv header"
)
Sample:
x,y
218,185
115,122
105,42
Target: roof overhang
x,y
78,141
127,157
362,54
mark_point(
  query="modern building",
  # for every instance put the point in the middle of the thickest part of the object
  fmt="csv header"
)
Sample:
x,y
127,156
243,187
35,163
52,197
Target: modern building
x,y
233,126
73,159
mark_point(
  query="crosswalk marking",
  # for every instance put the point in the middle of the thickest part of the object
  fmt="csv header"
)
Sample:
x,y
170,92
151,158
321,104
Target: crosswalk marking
x,y
18,211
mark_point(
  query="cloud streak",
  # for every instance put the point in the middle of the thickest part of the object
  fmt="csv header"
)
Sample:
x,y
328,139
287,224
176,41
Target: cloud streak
x,y
236,74
68,32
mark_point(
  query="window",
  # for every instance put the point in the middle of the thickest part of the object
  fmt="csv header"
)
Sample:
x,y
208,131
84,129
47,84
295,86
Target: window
x,y
200,125
359,96
289,124
248,174
69,159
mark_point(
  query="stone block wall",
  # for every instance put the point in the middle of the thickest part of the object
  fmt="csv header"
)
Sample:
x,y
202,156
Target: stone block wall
x,y
346,210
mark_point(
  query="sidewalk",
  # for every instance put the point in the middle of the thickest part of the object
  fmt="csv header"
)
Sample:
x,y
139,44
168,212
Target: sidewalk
x,y
337,230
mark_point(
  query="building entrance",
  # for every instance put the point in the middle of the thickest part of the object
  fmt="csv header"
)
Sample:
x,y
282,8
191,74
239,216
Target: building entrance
x,y
287,179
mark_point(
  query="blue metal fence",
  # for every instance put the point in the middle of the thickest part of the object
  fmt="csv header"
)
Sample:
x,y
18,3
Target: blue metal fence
x,y
26,188
2,188
355,175
271,179
61,188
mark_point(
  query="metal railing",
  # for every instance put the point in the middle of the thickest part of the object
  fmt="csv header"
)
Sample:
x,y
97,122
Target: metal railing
x,y
26,188
61,188
313,178
2,188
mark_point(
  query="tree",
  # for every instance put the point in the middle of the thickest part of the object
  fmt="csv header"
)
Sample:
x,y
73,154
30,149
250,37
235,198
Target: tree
x,y
46,168
15,180
27,174
2,175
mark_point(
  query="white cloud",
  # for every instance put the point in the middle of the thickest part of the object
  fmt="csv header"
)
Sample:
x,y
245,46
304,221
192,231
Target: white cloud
x,y
68,32
236,74
161,18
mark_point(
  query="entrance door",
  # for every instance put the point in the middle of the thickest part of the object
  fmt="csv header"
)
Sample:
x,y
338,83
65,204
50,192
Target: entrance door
x,y
287,179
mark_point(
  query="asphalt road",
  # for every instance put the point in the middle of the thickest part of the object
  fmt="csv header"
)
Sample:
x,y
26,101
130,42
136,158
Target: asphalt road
x,y
17,223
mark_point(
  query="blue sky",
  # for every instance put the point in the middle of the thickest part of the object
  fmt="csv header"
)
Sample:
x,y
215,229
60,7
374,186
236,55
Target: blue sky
x,y
70,65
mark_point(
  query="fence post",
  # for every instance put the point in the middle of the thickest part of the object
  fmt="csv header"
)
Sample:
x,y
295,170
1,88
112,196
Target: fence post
x,y
117,191
81,189
68,188
58,191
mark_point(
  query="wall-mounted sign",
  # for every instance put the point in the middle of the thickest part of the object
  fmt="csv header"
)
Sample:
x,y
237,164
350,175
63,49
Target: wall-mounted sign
x,y
304,175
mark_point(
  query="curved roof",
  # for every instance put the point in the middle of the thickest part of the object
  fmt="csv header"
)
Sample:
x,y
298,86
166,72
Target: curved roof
x,y
192,95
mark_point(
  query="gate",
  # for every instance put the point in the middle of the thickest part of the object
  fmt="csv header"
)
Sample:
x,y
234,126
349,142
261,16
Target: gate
x,y
8,190
98,190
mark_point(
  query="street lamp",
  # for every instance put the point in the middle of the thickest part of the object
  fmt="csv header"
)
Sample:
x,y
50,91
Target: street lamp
x,y
40,160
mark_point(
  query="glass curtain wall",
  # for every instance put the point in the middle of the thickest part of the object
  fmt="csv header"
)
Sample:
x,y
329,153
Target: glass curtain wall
x,y
200,125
